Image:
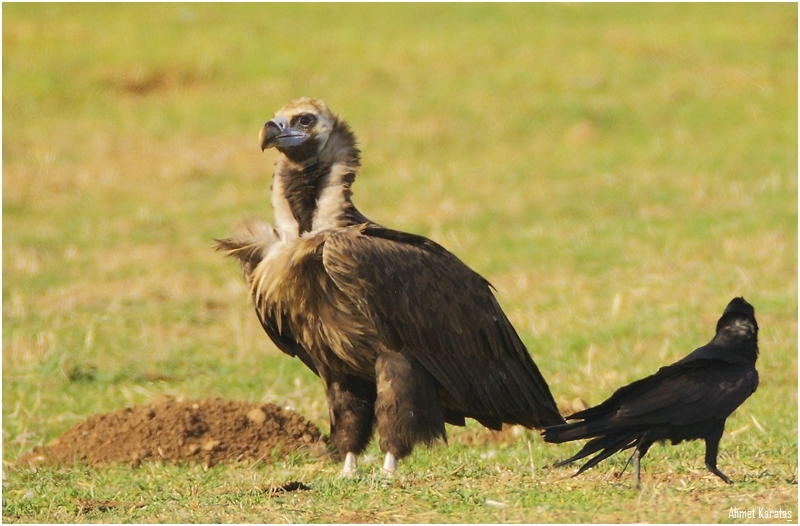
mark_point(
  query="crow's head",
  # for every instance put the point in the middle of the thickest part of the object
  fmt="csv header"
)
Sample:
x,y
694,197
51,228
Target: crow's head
x,y
741,307
738,322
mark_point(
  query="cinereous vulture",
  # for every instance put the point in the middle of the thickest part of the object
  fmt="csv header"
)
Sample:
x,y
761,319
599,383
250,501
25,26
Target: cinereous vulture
x,y
404,335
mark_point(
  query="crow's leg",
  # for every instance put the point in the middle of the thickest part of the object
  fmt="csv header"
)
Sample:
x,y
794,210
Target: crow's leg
x,y
642,446
712,448
636,468
408,409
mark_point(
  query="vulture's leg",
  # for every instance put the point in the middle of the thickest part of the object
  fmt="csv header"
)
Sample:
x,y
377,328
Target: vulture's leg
x,y
351,402
408,407
712,448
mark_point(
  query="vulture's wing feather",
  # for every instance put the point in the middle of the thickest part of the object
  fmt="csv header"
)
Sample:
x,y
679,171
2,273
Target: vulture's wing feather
x,y
284,340
427,304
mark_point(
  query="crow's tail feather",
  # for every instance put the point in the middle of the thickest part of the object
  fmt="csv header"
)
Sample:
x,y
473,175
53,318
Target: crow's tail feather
x,y
607,445
578,431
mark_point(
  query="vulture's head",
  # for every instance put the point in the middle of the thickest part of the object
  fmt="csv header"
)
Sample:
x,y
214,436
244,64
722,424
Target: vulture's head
x,y
305,130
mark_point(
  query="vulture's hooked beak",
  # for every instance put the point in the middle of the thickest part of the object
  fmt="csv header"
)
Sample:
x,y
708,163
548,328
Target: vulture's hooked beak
x,y
278,133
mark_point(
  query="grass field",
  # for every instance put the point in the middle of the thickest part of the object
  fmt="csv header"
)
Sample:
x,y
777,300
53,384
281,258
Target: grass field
x,y
618,172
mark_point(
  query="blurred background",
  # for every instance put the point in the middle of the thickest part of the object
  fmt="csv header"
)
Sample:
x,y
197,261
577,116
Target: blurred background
x,y
618,171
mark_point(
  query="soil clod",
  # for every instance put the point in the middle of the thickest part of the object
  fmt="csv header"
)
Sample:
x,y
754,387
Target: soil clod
x,y
207,431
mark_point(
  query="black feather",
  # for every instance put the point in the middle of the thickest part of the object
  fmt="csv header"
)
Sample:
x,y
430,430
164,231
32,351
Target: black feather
x,y
688,400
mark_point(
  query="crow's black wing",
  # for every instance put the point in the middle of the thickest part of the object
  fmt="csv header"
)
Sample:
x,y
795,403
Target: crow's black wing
x,y
678,396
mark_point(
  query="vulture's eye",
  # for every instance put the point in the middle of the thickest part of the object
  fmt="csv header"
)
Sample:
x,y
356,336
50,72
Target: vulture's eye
x,y
306,120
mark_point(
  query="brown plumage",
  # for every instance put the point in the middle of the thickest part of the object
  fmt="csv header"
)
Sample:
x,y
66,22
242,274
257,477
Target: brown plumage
x,y
402,333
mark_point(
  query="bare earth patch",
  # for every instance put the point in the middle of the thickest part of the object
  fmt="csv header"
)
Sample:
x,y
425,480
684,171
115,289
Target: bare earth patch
x,y
207,431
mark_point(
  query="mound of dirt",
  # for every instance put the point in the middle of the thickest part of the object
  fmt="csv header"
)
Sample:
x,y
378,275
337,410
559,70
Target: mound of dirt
x,y
207,431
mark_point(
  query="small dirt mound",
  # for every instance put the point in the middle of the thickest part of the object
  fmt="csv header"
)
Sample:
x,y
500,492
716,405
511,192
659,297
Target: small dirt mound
x,y
207,431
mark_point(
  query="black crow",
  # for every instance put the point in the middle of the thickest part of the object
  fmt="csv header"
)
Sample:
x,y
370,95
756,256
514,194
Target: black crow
x,y
688,400
404,335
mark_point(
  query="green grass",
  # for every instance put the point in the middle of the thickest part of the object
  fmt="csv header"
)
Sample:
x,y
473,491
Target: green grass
x,y
619,172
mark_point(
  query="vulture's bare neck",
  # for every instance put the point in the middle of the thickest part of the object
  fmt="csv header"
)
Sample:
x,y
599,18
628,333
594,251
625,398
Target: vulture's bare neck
x,y
316,194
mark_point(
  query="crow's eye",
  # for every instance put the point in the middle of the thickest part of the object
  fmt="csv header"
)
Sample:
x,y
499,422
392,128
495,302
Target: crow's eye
x,y
306,120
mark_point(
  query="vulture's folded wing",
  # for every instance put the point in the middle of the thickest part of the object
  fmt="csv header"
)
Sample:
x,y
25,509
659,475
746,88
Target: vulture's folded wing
x,y
284,340
427,304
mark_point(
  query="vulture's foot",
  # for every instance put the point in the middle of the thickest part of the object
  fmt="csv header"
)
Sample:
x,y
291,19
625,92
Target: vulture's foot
x,y
389,464
350,466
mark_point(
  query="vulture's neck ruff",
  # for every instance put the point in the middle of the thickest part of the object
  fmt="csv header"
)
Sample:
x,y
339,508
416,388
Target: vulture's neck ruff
x,y
311,189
